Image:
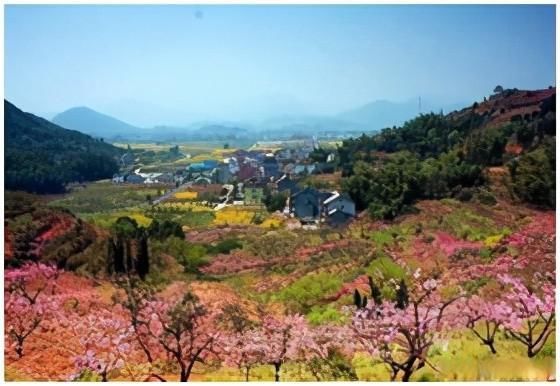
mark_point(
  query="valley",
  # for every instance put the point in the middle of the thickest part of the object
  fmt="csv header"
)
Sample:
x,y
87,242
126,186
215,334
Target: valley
x,y
424,252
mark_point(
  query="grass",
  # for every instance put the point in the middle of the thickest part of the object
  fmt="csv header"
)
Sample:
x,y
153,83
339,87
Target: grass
x,y
105,197
459,359
464,224
186,217
191,147
306,294
107,219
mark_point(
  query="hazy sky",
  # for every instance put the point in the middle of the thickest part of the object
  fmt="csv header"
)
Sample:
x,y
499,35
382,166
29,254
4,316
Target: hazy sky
x,y
176,64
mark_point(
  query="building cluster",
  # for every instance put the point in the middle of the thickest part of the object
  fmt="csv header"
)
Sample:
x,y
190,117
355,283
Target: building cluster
x,y
246,177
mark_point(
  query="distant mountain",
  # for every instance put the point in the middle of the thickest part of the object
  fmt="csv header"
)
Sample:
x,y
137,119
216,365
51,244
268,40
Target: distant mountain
x,y
41,157
373,116
381,114
308,122
96,124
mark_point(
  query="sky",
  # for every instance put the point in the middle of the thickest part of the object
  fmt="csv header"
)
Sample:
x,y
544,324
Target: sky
x,y
175,64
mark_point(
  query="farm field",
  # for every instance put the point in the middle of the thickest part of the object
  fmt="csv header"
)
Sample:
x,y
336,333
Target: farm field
x,y
258,284
359,193
264,268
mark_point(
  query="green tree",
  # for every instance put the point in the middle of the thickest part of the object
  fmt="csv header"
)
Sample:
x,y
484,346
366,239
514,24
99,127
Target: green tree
x,y
534,176
118,255
402,295
357,299
274,202
143,258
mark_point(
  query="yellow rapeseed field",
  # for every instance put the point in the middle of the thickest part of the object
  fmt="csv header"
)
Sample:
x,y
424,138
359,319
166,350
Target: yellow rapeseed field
x,y
186,206
234,216
186,195
271,222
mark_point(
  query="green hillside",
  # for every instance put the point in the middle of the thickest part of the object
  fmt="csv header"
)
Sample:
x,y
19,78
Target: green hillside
x,y
41,157
436,156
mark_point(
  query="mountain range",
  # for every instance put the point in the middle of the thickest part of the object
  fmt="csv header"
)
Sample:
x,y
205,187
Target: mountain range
x,y
367,118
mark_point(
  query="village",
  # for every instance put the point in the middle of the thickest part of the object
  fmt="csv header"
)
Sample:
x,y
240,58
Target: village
x,y
252,178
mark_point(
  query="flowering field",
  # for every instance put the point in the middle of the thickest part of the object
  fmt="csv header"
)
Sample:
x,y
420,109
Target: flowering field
x,y
186,195
232,215
457,291
184,207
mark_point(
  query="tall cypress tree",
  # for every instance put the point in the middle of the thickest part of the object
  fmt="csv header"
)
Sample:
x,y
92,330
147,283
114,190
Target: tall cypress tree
x,y
128,256
357,299
143,258
110,256
119,256
402,295
375,292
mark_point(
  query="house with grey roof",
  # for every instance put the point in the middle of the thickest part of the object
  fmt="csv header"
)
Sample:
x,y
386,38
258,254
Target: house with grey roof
x,y
312,206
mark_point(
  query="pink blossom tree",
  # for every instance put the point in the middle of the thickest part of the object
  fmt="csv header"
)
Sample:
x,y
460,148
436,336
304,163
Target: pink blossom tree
x,y
327,351
282,339
106,340
531,321
244,349
401,333
488,314
26,303
180,328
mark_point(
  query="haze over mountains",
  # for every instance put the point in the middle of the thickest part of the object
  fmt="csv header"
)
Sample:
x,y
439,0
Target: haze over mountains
x,y
367,118
94,123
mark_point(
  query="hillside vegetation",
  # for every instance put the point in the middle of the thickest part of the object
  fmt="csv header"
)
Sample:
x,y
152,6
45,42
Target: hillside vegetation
x,y
42,157
435,156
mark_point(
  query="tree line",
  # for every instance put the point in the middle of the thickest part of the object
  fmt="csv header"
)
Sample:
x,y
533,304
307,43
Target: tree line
x,y
435,156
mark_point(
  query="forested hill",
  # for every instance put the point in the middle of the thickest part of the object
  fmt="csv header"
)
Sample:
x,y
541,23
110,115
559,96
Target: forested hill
x,y
42,157
436,156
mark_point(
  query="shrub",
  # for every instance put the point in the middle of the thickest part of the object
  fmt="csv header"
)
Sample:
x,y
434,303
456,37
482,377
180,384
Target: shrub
x,y
486,198
225,246
465,194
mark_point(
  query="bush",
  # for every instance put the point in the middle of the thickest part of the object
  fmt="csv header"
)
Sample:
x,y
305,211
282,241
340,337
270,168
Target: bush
x,y
465,194
486,198
225,246
190,256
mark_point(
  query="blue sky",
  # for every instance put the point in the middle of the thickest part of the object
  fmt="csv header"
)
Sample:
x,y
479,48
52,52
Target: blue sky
x,y
177,64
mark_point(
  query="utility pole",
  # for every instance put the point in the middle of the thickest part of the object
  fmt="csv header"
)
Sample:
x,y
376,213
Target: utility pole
x,y
419,105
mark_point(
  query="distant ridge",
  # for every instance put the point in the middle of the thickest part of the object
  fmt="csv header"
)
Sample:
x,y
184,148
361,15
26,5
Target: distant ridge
x,y
94,123
382,113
